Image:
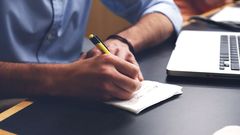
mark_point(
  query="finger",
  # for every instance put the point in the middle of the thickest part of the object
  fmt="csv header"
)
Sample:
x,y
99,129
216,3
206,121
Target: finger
x,y
124,67
132,60
119,93
94,52
128,56
140,77
126,83
110,91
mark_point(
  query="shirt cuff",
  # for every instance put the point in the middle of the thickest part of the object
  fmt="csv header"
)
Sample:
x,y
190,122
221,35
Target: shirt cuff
x,y
172,12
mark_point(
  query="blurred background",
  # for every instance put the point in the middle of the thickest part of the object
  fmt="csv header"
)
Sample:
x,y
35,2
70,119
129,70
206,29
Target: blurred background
x,y
103,22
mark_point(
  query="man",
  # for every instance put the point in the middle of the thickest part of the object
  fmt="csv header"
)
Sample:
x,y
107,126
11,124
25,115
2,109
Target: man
x,y
40,47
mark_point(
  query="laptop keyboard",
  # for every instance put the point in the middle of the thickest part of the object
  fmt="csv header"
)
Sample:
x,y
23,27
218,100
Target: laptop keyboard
x,y
229,52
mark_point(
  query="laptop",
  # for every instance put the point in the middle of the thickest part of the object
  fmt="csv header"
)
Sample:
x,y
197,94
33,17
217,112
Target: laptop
x,y
210,54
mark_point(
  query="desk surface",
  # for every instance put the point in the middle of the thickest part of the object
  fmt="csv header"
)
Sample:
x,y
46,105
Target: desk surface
x,y
205,106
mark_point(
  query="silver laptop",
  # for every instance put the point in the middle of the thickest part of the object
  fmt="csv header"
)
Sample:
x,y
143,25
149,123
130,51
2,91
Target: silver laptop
x,y
206,54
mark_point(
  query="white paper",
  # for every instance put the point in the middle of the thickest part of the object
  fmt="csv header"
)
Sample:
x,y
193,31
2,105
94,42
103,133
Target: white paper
x,y
228,130
149,94
228,14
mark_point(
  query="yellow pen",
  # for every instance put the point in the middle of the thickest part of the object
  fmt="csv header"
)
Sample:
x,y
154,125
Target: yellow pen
x,y
98,43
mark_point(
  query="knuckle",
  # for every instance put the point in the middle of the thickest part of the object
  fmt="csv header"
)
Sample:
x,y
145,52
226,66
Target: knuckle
x,y
103,69
95,52
135,70
107,72
117,49
105,86
105,58
136,86
130,55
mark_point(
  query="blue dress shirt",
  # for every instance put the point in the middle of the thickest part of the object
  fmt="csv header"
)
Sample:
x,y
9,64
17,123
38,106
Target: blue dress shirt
x,y
52,31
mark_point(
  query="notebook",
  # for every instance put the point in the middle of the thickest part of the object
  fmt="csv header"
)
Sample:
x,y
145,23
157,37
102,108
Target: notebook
x,y
206,54
150,93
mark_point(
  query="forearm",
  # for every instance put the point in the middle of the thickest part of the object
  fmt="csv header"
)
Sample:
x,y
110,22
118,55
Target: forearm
x,y
150,30
205,5
21,80
97,78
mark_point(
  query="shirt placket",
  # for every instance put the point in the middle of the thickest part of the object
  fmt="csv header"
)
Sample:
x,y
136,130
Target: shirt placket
x,y
55,29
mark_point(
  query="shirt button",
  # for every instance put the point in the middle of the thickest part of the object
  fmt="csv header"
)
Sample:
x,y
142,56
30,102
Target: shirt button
x,y
50,36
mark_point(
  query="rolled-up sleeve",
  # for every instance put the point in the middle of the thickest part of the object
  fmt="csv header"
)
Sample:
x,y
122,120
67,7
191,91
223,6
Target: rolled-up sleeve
x,y
133,10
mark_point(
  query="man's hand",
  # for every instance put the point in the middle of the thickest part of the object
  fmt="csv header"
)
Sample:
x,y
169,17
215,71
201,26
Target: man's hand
x,y
119,49
101,77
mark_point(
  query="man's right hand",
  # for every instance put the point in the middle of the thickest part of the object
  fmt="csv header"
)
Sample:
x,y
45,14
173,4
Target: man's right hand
x,y
101,77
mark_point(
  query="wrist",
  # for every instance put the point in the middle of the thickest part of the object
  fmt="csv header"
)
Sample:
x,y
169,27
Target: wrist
x,y
55,79
123,40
